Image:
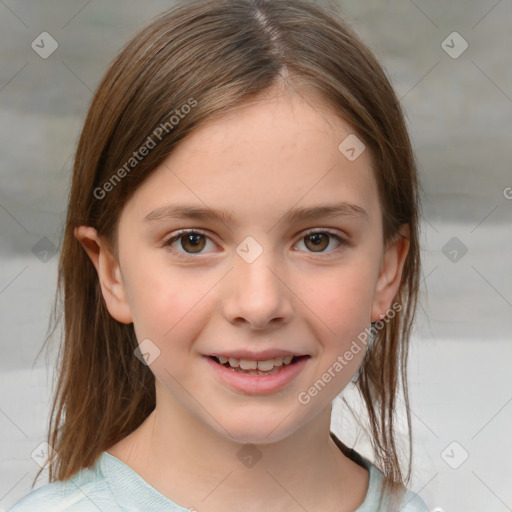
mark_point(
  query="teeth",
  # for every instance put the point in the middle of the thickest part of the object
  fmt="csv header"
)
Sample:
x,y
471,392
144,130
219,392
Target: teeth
x,y
246,364
265,366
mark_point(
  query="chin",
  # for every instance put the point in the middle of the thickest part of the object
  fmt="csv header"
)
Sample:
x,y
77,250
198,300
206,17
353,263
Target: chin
x,y
253,430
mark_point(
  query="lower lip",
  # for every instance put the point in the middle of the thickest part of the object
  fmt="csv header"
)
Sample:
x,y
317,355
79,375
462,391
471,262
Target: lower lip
x,y
258,384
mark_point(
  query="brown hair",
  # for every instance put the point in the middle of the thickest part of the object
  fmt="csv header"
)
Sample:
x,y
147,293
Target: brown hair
x,y
221,54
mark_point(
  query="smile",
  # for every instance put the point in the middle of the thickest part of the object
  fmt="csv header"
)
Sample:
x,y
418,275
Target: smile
x,y
257,377
240,365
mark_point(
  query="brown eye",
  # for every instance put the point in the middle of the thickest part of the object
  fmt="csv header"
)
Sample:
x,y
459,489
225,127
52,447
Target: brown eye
x,y
192,243
319,241
187,242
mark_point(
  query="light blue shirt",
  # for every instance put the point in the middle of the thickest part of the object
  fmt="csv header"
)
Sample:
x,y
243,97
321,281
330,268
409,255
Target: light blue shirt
x,y
112,486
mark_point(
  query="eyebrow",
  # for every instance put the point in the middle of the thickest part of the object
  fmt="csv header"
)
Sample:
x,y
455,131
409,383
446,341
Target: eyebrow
x,y
184,211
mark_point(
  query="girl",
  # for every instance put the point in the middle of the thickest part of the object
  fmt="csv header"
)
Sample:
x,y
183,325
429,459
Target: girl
x,y
241,243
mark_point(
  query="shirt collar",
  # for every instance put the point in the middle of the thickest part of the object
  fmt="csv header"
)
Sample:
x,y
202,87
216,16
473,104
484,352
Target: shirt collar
x,y
134,494
131,491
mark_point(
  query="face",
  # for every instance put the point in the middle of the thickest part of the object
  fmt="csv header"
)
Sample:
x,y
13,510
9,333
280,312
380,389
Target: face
x,y
254,282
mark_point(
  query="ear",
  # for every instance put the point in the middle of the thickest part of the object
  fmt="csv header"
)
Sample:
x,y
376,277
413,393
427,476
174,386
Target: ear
x,y
109,273
390,274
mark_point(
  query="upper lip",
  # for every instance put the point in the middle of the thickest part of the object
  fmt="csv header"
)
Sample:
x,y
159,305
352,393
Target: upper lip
x,y
264,355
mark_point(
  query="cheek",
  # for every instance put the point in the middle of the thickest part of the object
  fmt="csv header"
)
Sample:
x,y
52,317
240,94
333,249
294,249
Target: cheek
x,y
341,303
168,304
341,299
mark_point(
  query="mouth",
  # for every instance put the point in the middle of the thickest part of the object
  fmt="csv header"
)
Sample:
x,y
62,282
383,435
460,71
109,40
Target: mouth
x,y
253,367
261,375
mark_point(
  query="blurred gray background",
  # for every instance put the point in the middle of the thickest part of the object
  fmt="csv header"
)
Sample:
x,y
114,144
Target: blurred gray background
x,y
458,103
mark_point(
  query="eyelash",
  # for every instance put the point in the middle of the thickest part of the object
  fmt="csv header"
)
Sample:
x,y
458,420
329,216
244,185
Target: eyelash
x,y
167,243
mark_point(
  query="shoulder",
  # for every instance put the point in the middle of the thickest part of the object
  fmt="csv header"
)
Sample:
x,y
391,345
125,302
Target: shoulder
x,y
411,502
87,491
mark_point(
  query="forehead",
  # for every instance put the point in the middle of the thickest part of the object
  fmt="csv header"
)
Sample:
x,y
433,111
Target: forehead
x,y
263,158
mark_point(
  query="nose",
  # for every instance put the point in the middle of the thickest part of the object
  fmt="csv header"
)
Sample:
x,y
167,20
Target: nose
x,y
257,294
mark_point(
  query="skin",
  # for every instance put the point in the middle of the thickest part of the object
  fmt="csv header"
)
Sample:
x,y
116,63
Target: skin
x,y
256,162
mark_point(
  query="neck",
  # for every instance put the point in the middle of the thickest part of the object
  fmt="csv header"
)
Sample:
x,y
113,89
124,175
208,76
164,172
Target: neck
x,y
195,466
